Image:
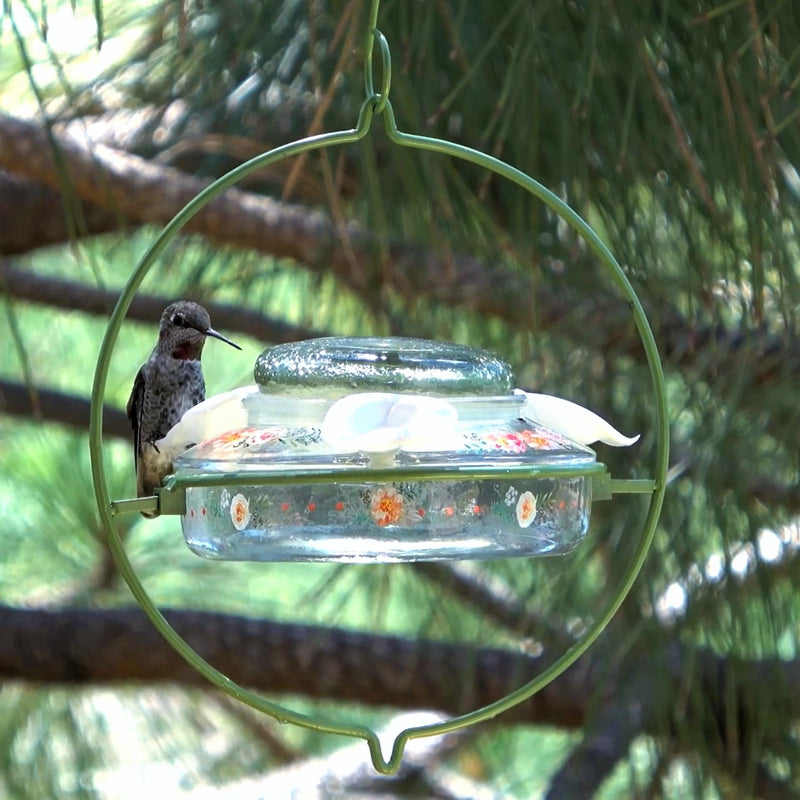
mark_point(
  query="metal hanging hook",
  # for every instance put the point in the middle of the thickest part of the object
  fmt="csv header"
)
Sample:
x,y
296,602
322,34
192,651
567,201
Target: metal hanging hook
x,y
380,99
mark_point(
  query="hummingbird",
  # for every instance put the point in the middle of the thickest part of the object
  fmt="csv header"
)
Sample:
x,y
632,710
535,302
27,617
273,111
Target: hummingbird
x,y
167,385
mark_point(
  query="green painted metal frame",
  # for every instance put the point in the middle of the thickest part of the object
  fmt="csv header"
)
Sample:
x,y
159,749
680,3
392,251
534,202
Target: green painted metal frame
x,y
375,104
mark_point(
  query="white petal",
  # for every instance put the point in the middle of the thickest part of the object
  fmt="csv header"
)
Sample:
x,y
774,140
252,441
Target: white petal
x,y
424,421
216,415
356,417
574,421
378,422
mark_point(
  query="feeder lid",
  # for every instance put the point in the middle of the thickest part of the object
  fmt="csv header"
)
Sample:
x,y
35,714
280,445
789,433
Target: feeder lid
x,y
334,366
342,403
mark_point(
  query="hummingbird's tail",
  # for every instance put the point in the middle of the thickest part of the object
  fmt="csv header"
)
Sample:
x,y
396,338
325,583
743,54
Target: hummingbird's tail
x,y
152,466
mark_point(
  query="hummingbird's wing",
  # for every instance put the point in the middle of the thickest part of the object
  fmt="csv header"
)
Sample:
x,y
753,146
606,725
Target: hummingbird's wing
x,y
135,406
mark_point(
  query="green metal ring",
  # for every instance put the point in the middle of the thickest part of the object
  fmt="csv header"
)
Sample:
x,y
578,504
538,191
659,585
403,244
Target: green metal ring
x,y
386,73
368,109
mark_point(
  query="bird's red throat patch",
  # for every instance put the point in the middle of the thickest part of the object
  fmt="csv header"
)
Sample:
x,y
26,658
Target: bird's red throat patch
x,y
185,352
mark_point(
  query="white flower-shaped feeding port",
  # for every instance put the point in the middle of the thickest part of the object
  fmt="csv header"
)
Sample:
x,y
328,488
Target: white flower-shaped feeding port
x,y
381,423
215,415
572,420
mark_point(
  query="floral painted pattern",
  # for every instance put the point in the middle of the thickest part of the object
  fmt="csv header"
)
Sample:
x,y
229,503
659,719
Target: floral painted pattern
x,y
508,442
542,440
240,512
513,442
387,506
261,438
526,509
498,517
406,504
286,441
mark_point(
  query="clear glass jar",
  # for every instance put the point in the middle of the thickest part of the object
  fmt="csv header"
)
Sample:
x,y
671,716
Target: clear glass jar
x,y
473,479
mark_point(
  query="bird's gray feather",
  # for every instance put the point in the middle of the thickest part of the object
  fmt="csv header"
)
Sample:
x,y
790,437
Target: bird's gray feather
x,y
134,408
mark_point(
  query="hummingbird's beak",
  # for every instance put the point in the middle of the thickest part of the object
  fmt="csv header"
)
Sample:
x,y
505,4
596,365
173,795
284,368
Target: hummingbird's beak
x,y
212,332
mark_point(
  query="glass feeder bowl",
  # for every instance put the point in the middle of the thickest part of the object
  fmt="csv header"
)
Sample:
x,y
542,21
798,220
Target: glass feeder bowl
x,y
467,477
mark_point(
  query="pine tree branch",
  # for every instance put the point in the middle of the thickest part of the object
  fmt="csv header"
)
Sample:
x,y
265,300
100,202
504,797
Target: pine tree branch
x,y
346,772
47,405
40,218
605,744
87,646
36,402
59,293
682,138
771,359
588,766
732,705
142,191
17,399
494,601
770,786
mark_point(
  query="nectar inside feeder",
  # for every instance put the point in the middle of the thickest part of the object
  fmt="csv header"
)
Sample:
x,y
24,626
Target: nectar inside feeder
x,y
385,449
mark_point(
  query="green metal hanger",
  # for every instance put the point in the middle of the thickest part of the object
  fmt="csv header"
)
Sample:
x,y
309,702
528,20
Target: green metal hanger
x,y
376,104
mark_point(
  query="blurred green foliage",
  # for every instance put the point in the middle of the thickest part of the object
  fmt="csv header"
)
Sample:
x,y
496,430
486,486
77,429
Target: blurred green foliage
x,y
672,127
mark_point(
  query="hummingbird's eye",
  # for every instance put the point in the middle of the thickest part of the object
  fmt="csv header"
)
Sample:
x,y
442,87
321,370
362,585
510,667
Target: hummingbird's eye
x,y
177,319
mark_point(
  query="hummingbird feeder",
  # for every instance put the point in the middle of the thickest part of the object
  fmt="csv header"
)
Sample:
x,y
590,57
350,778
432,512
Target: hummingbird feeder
x,y
385,449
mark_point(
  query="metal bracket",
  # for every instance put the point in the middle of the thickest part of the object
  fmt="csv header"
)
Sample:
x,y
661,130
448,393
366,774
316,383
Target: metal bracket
x,y
166,500
604,486
135,505
171,500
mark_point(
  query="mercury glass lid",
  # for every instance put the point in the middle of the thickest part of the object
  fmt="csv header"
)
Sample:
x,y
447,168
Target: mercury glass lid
x,y
334,366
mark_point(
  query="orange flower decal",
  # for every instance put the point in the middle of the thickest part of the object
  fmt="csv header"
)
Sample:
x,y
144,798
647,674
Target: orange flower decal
x,y
386,506
224,439
538,441
240,512
526,509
